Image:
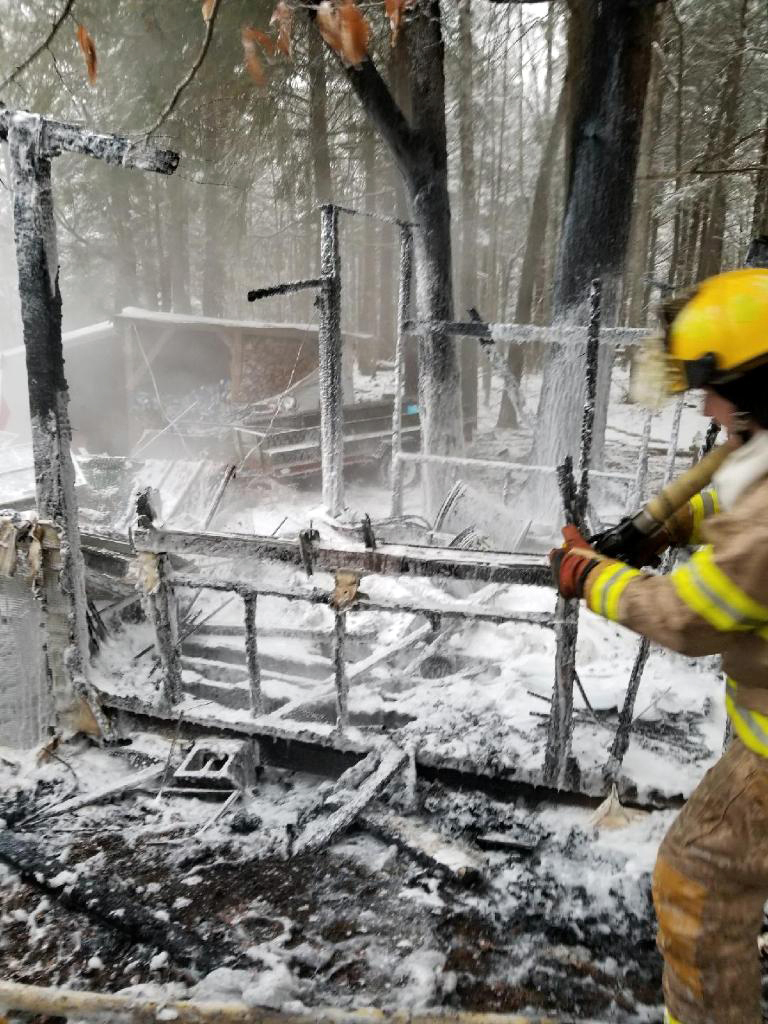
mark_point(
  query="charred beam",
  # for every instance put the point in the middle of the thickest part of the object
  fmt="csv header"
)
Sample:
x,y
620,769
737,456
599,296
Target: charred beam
x,y
386,560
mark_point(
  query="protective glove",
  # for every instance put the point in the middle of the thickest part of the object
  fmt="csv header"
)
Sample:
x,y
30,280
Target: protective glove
x,y
628,544
572,563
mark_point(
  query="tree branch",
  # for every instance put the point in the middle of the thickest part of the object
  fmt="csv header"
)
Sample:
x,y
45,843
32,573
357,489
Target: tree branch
x,y
190,74
380,106
65,11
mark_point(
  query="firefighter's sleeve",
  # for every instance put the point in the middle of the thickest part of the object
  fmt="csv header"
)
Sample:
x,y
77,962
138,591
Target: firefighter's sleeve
x,y
684,527
701,607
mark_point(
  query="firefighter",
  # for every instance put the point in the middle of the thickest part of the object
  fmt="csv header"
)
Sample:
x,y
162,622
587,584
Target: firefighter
x,y
711,876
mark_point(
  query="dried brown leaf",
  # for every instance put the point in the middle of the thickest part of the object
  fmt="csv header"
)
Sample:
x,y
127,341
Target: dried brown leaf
x,y
208,6
394,9
88,47
283,15
344,29
355,33
254,67
266,42
327,21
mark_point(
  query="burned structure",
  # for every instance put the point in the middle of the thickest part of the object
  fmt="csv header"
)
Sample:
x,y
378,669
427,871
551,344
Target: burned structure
x,y
363,653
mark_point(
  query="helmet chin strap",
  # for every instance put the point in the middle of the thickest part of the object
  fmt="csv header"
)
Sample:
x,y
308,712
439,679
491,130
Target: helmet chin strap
x,y
741,426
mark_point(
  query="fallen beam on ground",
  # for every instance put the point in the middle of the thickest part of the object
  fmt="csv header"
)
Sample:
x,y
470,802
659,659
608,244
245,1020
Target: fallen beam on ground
x,y
136,781
63,1002
321,831
425,844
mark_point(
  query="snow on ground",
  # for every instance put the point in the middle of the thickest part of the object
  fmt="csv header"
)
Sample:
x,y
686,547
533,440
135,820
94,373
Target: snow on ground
x,y
563,926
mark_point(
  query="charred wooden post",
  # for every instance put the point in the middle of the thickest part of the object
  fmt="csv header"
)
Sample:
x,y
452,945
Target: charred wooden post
x,y
165,620
560,768
33,142
637,495
757,254
558,761
340,672
252,655
620,743
330,356
403,307
590,395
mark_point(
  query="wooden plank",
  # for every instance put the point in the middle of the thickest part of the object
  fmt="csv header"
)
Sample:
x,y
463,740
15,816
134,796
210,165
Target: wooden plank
x,y
62,1002
321,831
385,560
135,781
425,844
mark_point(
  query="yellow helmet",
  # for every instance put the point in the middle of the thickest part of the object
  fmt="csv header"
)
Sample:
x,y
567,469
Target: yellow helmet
x,y
720,332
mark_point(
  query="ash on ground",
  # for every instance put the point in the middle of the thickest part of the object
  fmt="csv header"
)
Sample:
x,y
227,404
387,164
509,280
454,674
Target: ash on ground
x,y
558,920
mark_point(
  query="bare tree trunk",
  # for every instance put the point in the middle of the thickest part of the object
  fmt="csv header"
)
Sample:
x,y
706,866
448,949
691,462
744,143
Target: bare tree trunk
x,y
178,246
609,57
420,151
533,256
160,233
468,273
126,281
711,257
369,352
645,195
760,210
318,120
427,184
213,269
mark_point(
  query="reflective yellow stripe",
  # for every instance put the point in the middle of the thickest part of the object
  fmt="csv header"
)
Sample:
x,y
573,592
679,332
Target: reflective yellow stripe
x,y
607,589
690,594
697,512
750,726
669,1019
706,589
702,505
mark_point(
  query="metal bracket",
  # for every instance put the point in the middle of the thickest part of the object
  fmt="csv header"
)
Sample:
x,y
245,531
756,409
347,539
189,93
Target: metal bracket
x,y
307,539
369,537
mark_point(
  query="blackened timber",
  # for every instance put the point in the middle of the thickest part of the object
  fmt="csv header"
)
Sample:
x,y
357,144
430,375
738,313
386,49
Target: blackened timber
x,y
590,397
106,899
364,603
526,333
252,655
284,289
330,357
40,298
386,560
118,150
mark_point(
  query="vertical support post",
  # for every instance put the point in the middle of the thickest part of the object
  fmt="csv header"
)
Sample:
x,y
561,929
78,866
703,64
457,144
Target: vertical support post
x,y
674,440
163,605
252,655
637,495
339,669
590,395
620,743
403,308
330,366
560,768
36,256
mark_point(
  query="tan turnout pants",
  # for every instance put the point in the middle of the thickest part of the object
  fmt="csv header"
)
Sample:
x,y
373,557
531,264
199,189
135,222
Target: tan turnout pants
x,y
709,887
